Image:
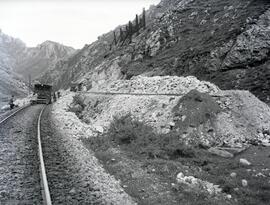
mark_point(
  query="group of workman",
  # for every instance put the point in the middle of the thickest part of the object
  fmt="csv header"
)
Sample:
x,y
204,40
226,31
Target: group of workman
x,y
12,105
56,95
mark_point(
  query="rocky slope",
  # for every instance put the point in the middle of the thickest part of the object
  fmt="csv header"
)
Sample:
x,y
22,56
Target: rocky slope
x,y
222,41
17,62
10,83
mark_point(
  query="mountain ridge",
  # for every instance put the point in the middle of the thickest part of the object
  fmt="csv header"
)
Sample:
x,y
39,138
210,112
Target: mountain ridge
x,y
18,62
183,37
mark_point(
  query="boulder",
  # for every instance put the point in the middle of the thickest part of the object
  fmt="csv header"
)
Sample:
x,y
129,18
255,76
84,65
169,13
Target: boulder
x,y
265,143
244,162
99,129
244,183
196,184
219,152
233,174
76,108
72,191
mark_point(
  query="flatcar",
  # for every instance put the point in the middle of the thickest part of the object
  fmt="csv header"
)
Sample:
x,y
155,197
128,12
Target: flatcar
x,y
42,94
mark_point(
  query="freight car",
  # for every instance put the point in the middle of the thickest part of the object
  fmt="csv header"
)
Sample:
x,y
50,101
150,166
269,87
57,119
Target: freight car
x,y
42,94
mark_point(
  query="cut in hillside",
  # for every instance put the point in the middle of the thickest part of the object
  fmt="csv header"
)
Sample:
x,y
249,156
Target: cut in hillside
x,y
224,42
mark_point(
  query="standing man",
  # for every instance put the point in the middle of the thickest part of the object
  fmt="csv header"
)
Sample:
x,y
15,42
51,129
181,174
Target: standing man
x,y
11,102
54,97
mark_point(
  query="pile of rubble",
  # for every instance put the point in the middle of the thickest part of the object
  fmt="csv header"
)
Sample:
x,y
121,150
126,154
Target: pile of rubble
x,y
198,185
154,110
244,119
223,122
200,112
160,85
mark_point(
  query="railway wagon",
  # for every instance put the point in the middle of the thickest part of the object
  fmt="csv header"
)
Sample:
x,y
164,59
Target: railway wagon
x,y
42,94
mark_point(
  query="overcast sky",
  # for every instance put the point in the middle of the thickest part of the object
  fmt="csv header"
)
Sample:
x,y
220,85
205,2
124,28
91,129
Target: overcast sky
x,y
70,22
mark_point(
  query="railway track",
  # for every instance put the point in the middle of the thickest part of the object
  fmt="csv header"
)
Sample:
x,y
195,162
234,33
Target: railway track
x,y
29,142
23,177
70,181
27,145
46,191
5,116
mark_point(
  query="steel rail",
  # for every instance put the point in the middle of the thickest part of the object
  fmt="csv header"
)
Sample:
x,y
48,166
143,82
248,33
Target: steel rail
x,y
44,183
46,191
144,94
138,94
12,114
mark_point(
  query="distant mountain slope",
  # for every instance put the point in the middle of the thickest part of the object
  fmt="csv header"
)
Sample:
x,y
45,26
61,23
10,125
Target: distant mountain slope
x,y
223,41
38,59
17,62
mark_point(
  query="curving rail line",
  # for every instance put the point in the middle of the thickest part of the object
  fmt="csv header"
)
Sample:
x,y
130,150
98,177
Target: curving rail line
x,y
45,192
44,183
12,114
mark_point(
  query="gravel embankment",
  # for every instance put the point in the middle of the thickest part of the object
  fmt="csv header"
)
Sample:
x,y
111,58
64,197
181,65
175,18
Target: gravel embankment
x,y
76,177
19,164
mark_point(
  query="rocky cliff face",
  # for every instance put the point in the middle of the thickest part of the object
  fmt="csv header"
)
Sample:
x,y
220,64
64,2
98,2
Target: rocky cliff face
x,y
94,63
222,41
37,60
30,61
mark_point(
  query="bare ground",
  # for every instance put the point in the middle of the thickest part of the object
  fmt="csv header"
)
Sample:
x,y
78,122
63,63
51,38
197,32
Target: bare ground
x,y
152,181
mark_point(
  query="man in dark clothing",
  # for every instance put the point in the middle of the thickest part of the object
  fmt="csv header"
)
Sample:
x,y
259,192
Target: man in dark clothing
x,y
11,102
54,97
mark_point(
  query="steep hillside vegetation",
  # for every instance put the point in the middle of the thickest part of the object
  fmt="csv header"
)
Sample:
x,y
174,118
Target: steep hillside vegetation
x,y
222,41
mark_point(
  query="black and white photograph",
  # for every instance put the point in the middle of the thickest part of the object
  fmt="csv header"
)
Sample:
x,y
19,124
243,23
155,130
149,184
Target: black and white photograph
x,y
134,102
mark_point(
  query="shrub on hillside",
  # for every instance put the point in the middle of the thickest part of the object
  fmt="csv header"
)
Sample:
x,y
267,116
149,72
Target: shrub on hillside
x,y
78,100
133,135
77,105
